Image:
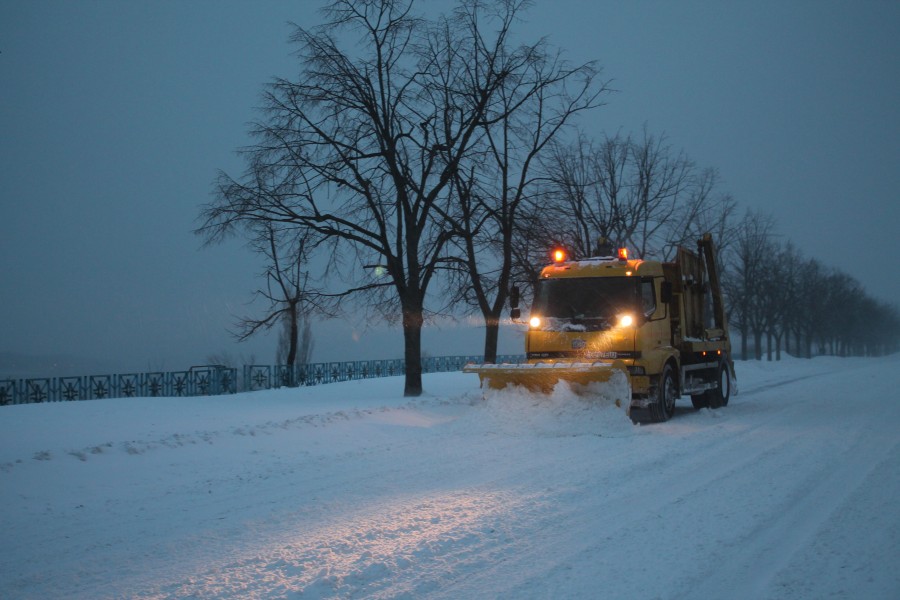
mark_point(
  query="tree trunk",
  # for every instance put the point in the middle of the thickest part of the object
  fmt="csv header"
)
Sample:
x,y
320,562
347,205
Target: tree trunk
x,y
305,342
491,336
292,340
412,350
292,345
744,344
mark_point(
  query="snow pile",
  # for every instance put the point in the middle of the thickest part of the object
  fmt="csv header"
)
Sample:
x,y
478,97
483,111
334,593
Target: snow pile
x,y
351,490
598,410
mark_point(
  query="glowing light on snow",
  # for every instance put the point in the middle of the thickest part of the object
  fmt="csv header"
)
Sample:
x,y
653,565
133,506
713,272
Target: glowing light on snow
x,y
374,544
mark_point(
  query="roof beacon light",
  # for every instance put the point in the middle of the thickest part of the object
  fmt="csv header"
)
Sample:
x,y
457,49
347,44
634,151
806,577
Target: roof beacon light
x,y
623,253
559,255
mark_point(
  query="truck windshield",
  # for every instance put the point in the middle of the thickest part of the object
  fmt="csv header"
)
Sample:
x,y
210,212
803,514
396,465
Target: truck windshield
x,y
585,303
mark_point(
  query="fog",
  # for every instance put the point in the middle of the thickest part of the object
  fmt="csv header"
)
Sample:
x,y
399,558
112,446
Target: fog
x,y
114,118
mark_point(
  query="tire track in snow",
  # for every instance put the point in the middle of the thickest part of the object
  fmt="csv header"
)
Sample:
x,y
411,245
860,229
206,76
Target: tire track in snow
x,y
717,451
538,565
407,547
852,546
764,387
691,474
754,562
834,448
753,391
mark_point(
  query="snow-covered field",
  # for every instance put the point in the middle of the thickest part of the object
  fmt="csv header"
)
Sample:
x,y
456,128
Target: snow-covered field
x,y
351,491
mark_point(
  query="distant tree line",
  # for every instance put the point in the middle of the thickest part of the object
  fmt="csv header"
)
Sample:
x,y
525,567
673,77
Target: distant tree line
x,y
777,295
428,164
642,194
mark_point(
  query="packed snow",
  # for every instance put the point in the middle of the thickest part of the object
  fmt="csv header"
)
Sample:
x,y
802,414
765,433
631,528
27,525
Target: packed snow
x,y
352,491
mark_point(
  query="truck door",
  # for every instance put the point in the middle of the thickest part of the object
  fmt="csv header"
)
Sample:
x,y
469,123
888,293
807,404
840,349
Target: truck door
x,y
658,328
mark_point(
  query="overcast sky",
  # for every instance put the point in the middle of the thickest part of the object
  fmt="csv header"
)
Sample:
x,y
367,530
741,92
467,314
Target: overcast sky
x,y
115,116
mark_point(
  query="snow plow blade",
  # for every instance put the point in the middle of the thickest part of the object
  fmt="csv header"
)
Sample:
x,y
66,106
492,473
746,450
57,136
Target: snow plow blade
x,y
542,376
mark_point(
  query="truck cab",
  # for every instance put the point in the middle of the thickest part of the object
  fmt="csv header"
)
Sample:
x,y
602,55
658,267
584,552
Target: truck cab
x,y
663,321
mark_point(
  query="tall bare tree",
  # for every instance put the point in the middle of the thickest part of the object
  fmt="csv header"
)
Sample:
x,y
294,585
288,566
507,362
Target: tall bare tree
x,y
633,191
792,297
539,95
363,146
810,314
289,298
297,340
660,181
751,257
703,209
588,184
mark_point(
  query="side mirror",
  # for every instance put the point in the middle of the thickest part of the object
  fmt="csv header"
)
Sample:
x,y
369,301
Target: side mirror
x,y
515,314
514,297
665,292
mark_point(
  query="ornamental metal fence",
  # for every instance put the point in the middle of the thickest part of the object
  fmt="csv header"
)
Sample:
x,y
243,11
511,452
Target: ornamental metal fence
x,y
207,380
262,377
214,380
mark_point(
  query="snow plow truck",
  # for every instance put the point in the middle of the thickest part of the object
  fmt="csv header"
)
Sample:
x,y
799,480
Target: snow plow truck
x,y
661,325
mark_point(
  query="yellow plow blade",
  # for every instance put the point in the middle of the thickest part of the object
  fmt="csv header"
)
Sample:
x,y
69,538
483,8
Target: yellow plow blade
x,y
542,376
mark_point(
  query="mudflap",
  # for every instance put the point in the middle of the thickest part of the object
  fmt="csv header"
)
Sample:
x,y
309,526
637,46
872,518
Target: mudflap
x,y
641,415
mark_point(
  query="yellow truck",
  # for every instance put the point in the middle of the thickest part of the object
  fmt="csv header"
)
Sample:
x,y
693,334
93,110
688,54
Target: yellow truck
x,y
660,324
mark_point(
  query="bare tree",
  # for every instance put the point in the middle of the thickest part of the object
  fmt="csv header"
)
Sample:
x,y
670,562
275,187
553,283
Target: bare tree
x,y
635,192
792,297
362,149
588,184
751,258
289,298
810,315
774,297
539,95
538,230
660,180
703,209
298,340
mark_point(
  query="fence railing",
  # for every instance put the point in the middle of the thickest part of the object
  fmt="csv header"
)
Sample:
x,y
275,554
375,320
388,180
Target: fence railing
x,y
213,380
260,377
207,380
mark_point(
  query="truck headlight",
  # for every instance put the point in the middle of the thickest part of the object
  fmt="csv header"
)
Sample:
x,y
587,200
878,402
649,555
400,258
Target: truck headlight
x,y
535,322
626,320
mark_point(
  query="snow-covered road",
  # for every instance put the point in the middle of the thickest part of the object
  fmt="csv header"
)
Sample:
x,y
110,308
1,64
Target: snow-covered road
x,y
351,491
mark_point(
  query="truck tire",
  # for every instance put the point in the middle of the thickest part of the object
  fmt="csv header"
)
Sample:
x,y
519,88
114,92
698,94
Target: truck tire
x,y
719,397
663,406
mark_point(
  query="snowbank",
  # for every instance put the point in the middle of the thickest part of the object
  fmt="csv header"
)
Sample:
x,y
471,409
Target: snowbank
x,y
351,490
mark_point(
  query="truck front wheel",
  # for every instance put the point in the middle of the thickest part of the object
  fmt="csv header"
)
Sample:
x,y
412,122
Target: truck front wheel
x,y
663,405
667,394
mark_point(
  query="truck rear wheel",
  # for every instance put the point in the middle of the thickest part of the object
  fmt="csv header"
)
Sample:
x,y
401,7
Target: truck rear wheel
x,y
663,406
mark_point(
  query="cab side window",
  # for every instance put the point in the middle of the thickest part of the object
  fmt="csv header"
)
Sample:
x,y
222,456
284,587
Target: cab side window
x,y
648,297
